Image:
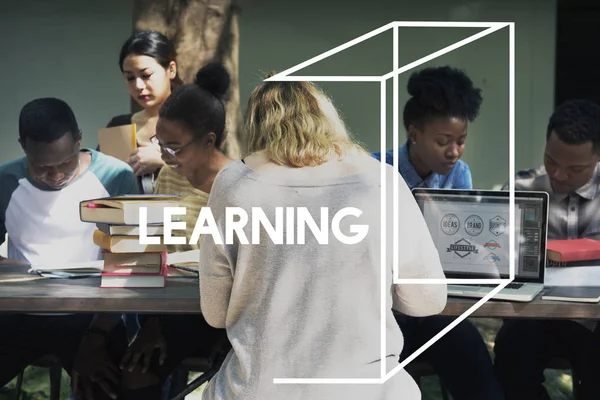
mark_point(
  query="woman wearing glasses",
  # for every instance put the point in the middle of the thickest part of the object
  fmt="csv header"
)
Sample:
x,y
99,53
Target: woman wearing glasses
x,y
189,132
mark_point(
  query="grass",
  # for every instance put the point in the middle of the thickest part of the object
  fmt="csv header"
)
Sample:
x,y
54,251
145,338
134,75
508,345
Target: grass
x,y
36,383
36,386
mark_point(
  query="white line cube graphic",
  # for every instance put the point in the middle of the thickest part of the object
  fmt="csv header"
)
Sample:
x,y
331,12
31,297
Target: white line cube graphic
x,y
286,76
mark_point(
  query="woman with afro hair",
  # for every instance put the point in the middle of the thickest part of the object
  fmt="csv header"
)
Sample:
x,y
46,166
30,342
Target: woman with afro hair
x,y
443,101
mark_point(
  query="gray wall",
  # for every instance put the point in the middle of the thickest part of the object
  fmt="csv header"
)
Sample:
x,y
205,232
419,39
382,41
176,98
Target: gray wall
x,y
69,49
279,35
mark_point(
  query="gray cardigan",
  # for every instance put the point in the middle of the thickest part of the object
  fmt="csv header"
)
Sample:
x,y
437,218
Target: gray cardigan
x,y
313,310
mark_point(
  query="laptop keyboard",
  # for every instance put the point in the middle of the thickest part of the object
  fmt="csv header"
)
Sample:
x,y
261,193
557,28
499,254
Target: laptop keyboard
x,y
509,286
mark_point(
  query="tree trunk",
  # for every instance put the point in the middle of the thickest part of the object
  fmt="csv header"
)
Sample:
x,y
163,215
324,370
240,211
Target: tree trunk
x,y
202,31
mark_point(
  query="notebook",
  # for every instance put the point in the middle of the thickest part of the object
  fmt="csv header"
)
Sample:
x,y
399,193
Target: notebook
x,y
580,294
118,141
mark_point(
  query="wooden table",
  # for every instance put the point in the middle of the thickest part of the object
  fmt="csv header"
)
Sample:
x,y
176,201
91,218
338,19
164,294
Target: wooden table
x,y
181,296
538,308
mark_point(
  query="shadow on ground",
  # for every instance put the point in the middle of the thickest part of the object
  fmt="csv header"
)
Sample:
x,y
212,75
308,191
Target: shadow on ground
x,y
36,382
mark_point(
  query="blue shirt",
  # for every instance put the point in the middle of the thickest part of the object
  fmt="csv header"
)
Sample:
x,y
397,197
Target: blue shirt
x,y
459,176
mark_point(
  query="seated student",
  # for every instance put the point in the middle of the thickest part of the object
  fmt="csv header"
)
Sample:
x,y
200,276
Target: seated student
x,y
300,308
571,176
443,101
190,131
170,182
39,209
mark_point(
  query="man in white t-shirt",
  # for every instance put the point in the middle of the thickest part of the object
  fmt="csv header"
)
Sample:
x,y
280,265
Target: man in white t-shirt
x,y
39,209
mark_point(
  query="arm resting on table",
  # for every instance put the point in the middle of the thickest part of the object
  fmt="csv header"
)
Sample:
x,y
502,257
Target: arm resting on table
x,y
214,299
418,258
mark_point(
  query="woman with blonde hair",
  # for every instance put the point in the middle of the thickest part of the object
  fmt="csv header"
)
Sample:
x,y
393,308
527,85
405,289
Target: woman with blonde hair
x,y
293,270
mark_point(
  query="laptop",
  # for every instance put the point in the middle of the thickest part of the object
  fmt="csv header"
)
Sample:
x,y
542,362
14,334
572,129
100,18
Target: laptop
x,y
470,230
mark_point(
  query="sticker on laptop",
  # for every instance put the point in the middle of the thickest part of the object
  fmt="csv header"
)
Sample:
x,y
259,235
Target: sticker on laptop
x,y
450,224
497,225
492,245
492,258
474,225
462,248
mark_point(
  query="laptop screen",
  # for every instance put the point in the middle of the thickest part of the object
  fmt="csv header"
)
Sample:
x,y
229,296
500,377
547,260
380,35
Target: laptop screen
x,y
471,232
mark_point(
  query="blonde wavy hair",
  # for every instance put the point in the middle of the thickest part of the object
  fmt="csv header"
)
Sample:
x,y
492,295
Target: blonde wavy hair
x,y
296,124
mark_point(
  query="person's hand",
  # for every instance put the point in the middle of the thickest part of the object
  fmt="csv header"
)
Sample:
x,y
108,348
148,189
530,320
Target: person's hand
x,y
145,160
149,339
92,365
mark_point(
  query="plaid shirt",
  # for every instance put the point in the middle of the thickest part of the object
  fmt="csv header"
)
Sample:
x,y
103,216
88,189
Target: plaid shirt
x,y
572,216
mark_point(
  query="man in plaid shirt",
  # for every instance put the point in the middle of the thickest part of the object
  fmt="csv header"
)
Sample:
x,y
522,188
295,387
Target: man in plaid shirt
x,y
571,176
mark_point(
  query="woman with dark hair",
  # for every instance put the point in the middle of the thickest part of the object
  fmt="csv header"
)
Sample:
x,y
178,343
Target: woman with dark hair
x,y
147,61
193,118
443,102
189,132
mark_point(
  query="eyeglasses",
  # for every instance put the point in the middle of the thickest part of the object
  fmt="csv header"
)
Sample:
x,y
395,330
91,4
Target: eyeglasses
x,y
172,153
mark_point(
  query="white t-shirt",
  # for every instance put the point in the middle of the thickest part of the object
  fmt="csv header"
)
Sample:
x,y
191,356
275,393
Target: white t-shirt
x,y
43,224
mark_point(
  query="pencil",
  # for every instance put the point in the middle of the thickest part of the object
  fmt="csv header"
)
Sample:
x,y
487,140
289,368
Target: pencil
x,y
134,135
22,279
184,268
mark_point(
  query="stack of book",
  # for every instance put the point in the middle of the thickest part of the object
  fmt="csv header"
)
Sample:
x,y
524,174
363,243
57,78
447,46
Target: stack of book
x,y
127,262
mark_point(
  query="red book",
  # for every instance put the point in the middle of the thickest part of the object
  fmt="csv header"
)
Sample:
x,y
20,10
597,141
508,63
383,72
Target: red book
x,y
135,280
573,250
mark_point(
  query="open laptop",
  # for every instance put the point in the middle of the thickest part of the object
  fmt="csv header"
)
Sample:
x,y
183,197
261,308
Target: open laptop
x,y
470,230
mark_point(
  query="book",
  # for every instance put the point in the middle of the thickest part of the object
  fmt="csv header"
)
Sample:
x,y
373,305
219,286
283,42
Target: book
x,y
572,264
574,250
125,244
134,263
578,294
184,263
135,279
125,210
188,258
130,230
118,141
